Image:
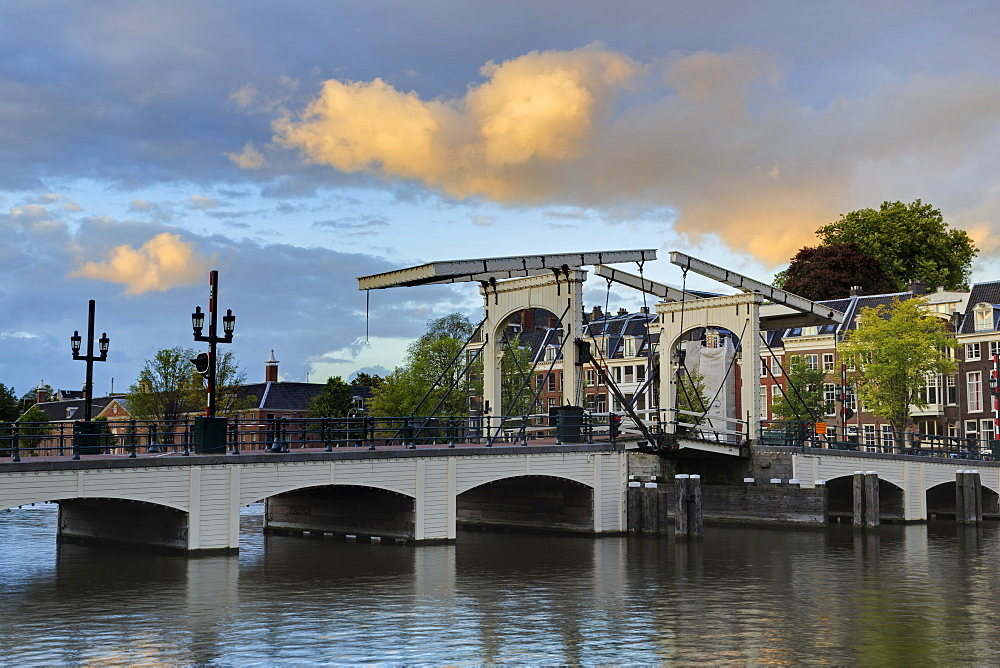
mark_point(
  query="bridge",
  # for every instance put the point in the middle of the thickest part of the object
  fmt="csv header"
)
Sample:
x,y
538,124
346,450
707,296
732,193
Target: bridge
x,y
192,503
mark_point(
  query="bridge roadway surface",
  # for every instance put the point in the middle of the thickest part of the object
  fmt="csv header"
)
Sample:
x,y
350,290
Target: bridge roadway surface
x,y
207,491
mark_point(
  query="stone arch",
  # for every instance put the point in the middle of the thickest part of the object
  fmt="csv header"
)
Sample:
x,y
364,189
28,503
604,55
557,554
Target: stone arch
x,y
528,502
367,510
840,493
39,497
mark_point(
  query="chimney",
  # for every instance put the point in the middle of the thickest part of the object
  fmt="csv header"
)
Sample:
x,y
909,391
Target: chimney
x,y
856,291
41,395
528,320
271,369
597,313
917,288
622,311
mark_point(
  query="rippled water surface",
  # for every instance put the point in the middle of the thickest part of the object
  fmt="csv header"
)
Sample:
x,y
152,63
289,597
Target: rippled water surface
x,y
912,595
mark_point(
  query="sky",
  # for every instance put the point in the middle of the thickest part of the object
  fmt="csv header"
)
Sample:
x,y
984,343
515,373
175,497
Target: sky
x,y
296,146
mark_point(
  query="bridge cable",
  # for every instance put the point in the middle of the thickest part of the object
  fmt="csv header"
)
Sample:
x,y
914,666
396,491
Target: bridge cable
x,y
448,368
790,384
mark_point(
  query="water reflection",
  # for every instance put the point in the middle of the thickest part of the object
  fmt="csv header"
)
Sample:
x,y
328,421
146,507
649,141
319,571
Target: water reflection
x,y
901,595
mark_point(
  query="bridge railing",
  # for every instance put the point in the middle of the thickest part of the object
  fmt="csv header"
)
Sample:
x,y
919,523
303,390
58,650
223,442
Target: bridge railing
x,y
909,442
162,437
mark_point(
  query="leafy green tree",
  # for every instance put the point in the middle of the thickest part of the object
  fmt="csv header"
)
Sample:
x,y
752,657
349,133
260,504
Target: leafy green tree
x,y
829,272
35,417
894,350
9,409
229,398
515,367
910,241
427,363
169,388
335,400
362,379
805,402
29,398
690,397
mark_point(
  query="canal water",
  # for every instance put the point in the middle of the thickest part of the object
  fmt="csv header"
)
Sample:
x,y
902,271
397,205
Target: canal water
x,y
904,595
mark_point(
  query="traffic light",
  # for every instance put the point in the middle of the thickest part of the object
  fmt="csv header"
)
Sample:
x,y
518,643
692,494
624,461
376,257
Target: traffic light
x,y
615,425
201,363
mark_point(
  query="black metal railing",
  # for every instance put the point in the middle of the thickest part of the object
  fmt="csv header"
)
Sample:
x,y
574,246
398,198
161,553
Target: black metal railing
x,y
852,437
133,438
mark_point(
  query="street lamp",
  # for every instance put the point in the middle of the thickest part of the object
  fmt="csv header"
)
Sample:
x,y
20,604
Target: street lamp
x,y
198,325
76,343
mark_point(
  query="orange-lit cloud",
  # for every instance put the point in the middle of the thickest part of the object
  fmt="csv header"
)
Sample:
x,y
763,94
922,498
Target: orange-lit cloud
x,y
162,263
716,137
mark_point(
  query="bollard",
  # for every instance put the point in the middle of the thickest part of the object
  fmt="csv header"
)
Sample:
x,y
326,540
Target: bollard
x,y
776,482
688,516
749,481
866,500
633,500
968,497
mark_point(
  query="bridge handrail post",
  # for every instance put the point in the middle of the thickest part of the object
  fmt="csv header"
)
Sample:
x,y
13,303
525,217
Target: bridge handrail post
x,y
524,430
234,433
132,439
185,438
15,443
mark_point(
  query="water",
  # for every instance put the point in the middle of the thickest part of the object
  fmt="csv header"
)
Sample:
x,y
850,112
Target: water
x,y
903,596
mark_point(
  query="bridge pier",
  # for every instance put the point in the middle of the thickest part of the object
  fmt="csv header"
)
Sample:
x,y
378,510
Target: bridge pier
x,y
968,497
866,501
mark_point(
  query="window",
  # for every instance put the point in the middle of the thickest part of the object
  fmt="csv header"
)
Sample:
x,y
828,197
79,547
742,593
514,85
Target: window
x,y
640,373
972,352
550,353
764,408
776,365
888,438
629,374
618,374
953,430
640,402
984,317
986,430
629,346
552,383
601,403
931,393
994,349
827,361
974,389
763,367
851,400
552,402
868,436
950,389
812,361
970,429
589,378
775,393
830,397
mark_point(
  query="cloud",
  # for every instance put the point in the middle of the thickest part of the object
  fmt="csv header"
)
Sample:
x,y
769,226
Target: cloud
x,y
542,107
248,158
715,137
203,203
162,263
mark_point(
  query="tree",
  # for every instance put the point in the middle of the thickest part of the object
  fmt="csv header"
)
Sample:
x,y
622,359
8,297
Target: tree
x,y
169,388
336,399
515,367
428,360
829,272
893,351
911,241
30,398
690,397
803,400
371,381
36,417
9,410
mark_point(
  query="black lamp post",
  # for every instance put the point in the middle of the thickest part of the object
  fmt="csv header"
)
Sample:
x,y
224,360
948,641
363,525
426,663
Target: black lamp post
x,y
206,364
75,341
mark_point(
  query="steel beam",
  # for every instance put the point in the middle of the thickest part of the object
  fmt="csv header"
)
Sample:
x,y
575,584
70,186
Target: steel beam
x,y
453,271
644,284
824,314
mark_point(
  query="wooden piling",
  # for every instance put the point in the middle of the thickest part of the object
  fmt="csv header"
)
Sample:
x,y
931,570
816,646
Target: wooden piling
x,y
688,513
633,501
968,497
866,499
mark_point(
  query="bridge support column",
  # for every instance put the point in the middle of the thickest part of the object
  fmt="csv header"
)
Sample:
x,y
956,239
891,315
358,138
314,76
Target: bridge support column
x,y
866,501
687,516
968,497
